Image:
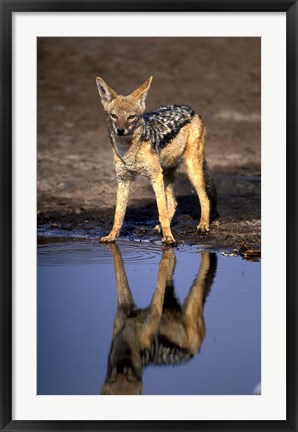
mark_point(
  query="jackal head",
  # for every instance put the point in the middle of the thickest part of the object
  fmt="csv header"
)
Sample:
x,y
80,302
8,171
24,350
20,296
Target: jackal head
x,y
125,369
125,113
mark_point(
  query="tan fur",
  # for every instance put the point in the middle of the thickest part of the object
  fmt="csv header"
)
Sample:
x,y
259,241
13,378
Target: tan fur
x,y
133,156
185,329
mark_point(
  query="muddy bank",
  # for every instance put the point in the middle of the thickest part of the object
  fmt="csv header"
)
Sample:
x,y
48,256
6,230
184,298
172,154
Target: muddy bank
x,y
238,221
218,77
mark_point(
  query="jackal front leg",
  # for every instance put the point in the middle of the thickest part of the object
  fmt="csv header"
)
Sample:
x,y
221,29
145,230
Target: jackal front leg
x,y
149,328
125,301
169,177
121,204
159,190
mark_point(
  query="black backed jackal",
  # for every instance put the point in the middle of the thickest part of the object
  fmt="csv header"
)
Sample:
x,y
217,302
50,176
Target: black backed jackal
x,y
154,144
163,333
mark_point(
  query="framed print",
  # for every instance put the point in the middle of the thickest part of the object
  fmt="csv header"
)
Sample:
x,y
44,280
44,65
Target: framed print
x,y
148,215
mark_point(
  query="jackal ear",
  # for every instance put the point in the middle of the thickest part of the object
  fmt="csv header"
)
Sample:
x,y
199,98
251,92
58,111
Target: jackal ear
x,y
141,92
106,93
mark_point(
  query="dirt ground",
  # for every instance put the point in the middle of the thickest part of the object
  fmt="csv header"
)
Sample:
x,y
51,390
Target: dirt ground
x,y
220,78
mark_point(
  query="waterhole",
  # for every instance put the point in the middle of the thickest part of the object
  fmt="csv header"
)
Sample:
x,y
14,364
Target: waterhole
x,y
140,319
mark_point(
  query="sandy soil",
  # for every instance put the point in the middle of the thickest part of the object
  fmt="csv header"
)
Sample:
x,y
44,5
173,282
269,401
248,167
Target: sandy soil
x,y
219,77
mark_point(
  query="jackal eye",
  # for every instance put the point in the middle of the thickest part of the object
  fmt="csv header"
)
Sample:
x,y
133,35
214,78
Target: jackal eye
x,y
131,117
114,116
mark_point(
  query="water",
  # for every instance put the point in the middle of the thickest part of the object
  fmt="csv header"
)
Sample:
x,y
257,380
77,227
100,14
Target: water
x,y
211,347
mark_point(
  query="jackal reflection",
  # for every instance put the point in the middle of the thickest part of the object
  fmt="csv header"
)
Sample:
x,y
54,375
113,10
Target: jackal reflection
x,y
164,333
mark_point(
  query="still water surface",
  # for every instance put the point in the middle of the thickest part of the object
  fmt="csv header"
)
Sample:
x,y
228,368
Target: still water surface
x,y
201,333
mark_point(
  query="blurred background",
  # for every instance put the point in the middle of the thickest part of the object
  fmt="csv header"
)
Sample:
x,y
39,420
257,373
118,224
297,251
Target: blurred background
x,y
220,78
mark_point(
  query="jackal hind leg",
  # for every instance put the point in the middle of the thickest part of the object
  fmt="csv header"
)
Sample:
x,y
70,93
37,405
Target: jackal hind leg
x,y
194,164
169,177
193,306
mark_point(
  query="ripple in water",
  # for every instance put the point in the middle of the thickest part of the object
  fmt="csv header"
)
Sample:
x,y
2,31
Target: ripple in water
x,y
59,251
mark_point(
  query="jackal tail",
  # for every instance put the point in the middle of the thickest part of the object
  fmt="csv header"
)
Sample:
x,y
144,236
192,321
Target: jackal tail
x,y
210,189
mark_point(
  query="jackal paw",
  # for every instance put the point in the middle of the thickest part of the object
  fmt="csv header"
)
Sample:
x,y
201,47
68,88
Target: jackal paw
x,y
157,229
108,239
169,240
203,227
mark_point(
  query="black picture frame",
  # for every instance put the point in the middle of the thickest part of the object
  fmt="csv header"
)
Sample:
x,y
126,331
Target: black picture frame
x,y
7,9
